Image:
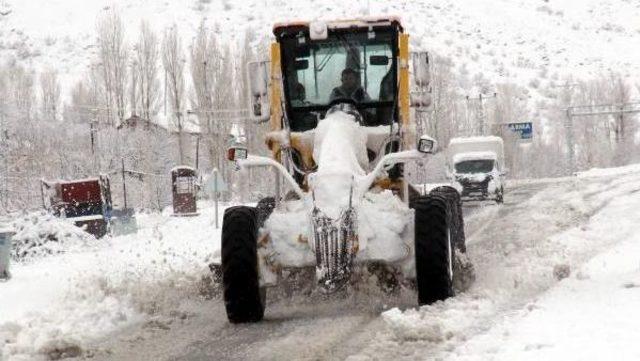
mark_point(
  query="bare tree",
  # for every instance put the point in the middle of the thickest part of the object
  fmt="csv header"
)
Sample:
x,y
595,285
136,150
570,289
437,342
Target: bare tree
x,y
21,91
135,88
173,62
113,55
624,129
146,56
50,94
88,98
441,123
203,61
212,72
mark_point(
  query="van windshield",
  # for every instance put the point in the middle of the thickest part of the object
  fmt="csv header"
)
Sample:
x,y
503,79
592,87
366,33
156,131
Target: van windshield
x,y
475,166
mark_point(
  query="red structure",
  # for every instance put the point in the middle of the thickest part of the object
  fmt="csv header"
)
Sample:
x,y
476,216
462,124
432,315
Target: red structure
x,y
87,202
184,189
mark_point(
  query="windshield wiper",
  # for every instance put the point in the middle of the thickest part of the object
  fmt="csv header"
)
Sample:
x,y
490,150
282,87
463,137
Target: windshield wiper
x,y
324,61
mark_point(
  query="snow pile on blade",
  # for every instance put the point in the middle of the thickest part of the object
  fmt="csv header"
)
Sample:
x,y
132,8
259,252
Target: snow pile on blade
x,y
341,154
291,230
383,219
41,234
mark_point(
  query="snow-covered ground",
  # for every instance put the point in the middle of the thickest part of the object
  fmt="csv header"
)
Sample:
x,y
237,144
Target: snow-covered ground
x,y
548,288
558,278
530,43
591,315
55,303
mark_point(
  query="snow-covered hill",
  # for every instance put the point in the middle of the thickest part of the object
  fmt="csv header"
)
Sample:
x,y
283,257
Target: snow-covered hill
x,y
523,41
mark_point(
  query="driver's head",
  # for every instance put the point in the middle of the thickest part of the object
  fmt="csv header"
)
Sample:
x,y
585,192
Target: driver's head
x,y
350,79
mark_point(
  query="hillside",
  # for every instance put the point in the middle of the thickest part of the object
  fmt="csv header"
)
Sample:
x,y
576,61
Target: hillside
x,y
530,43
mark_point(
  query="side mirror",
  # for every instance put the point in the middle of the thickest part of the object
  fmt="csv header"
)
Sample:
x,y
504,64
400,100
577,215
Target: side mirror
x,y
421,69
258,74
421,96
448,172
427,145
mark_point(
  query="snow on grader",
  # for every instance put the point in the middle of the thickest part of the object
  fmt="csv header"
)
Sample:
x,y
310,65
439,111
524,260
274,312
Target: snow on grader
x,y
337,98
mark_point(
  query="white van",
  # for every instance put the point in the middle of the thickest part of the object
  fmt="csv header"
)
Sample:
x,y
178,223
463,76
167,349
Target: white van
x,y
476,167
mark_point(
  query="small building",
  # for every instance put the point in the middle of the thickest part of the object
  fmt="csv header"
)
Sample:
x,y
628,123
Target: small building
x,y
85,201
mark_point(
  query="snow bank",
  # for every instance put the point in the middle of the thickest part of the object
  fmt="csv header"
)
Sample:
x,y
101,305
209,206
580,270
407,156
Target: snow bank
x,y
437,323
518,309
593,313
58,304
603,172
41,234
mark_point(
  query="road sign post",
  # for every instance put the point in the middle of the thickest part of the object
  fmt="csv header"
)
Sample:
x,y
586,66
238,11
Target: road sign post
x,y
214,185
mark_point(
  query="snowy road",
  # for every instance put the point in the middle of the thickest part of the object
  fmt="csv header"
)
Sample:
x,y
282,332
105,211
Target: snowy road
x,y
153,303
501,241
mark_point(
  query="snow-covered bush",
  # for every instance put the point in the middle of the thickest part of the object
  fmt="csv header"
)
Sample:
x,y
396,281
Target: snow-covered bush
x,y
40,234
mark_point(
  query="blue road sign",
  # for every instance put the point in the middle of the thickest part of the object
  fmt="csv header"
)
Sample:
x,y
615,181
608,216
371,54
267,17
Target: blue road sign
x,y
525,130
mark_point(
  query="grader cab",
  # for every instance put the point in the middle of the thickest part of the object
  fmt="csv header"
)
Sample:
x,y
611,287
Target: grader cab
x,y
309,63
337,98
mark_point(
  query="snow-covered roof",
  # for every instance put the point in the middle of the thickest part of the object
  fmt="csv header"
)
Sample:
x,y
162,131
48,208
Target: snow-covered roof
x,y
67,181
345,23
476,147
461,157
182,167
483,139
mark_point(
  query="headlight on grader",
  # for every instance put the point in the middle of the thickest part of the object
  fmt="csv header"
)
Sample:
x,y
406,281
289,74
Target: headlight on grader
x,y
427,145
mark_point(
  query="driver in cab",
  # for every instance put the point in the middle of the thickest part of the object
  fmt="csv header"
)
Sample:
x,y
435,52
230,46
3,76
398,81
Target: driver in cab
x,y
350,88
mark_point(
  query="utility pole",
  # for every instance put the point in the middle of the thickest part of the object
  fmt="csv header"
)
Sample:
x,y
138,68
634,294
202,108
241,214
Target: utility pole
x,y
480,114
124,185
4,152
568,125
592,110
197,150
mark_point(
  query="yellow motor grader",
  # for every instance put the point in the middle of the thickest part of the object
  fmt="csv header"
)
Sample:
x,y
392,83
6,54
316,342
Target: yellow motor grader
x,y
337,97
